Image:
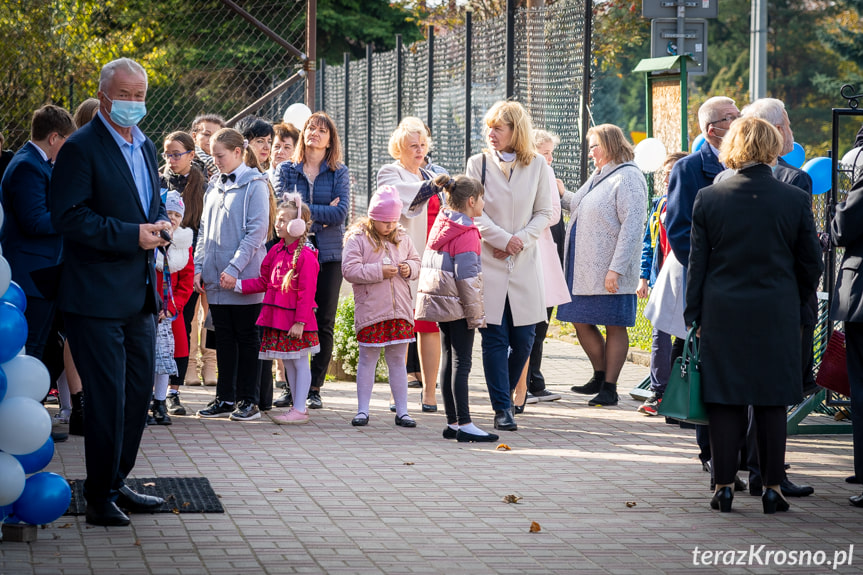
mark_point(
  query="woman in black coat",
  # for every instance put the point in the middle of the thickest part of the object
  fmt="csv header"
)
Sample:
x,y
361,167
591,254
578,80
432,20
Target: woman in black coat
x,y
754,259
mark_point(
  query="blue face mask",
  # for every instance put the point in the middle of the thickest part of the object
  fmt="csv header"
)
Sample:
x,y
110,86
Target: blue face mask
x,y
127,113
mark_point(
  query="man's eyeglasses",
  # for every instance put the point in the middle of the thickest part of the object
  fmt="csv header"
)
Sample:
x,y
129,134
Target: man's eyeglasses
x,y
175,156
728,118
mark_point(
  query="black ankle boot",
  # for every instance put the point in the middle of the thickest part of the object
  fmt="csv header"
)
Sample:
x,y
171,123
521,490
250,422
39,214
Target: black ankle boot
x,y
76,418
607,395
772,502
591,386
160,412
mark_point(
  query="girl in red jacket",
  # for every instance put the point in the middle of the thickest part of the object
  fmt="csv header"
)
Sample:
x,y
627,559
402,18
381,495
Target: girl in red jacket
x,y
289,277
171,340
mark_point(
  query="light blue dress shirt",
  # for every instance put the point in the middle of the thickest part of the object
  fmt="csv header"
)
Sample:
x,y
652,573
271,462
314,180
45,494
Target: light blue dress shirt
x,y
134,155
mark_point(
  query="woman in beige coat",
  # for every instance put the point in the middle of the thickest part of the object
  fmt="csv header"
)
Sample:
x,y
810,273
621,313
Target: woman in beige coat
x,y
517,210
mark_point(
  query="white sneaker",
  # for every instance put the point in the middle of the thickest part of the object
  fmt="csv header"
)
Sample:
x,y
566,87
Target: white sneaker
x,y
61,417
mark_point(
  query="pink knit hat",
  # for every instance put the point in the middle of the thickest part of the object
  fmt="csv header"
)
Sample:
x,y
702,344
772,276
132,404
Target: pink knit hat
x,y
385,205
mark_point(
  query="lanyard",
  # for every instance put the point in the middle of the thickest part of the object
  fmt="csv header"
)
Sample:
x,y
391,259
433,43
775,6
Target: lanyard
x,y
167,288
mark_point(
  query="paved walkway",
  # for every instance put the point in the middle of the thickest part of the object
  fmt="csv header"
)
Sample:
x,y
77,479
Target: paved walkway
x,y
613,492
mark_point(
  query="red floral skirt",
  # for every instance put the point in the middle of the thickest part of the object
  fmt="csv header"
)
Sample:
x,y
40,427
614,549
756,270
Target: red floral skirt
x,y
386,332
277,344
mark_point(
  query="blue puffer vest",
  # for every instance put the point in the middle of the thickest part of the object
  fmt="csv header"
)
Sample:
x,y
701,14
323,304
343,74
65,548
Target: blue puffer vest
x,y
328,221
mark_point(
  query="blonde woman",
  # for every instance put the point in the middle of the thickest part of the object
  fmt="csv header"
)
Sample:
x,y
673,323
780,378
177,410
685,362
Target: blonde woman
x,y
602,257
409,146
518,207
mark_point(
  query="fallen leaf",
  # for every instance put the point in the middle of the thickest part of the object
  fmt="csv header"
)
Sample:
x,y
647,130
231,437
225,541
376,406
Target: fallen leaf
x,y
65,526
279,490
276,433
138,542
186,504
534,527
511,498
149,484
504,447
175,511
631,503
408,463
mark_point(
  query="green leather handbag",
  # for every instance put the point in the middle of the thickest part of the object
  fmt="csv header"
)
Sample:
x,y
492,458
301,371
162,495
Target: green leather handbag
x,y
682,398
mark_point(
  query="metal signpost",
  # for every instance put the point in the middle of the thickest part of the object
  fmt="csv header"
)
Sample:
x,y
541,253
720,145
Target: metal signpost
x,y
679,28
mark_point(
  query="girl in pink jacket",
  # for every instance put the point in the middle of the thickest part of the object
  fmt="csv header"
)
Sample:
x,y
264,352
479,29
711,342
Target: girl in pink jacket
x,y
380,260
289,276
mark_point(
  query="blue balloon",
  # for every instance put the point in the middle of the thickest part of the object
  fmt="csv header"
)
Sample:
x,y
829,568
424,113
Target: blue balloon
x,y
36,461
3,384
796,157
16,296
13,331
7,513
821,172
698,142
46,497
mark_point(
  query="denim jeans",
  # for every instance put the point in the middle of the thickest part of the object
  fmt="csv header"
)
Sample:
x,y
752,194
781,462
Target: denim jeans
x,y
505,349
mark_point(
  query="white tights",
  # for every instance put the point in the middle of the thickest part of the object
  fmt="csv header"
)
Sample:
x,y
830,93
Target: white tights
x,y
395,357
160,388
299,376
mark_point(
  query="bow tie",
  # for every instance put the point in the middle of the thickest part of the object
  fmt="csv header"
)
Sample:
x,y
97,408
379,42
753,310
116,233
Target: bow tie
x,y
226,177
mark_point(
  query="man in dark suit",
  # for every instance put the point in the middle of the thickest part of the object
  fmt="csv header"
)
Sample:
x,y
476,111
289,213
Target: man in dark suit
x,y
29,240
105,204
773,111
847,306
690,174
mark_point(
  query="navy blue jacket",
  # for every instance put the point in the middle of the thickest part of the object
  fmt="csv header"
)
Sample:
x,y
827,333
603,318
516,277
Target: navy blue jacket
x,y
29,240
688,175
95,206
328,221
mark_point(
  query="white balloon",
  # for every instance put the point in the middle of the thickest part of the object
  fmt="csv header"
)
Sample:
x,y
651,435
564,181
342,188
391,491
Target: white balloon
x,y
5,275
297,114
2,217
24,425
650,154
854,157
12,479
26,376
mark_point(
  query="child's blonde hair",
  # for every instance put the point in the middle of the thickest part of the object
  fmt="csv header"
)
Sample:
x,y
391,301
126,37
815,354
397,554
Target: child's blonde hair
x,y
366,226
306,215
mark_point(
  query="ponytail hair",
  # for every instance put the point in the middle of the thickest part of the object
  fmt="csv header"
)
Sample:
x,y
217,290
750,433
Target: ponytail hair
x,y
232,139
302,211
458,190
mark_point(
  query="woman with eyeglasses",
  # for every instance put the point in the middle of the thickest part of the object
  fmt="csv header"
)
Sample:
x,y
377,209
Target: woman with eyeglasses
x,y
181,175
318,174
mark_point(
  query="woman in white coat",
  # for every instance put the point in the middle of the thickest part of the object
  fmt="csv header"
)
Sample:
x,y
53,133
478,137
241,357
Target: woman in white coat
x,y
603,252
517,210
409,145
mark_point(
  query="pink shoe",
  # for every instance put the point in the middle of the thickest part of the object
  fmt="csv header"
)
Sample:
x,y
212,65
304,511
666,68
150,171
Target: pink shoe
x,y
292,417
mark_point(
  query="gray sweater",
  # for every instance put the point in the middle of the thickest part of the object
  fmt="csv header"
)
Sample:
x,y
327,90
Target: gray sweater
x,y
233,233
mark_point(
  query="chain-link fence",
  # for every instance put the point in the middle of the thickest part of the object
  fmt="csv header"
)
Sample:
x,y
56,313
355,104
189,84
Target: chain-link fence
x,y
201,57
548,66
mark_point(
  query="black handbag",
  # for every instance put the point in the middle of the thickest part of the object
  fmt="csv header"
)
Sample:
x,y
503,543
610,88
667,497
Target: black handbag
x,y
682,399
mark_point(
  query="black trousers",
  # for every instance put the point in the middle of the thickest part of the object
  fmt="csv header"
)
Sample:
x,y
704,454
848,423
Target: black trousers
x,y
116,363
237,347
265,377
728,425
40,317
456,350
327,298
535,379
854,361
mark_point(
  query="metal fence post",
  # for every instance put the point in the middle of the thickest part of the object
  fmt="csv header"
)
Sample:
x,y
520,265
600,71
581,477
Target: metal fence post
x,y
585,88
430,110
510,48
347,67
370,48
322,74
468,80
399,78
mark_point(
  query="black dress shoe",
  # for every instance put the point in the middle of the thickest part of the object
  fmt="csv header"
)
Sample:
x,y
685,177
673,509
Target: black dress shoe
x,y
504,420
449,432
852,479
856,500
518,409
739,484
106,514
791,490
773,502
722,500
756,488
465,437
284,400
428,408
138,502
